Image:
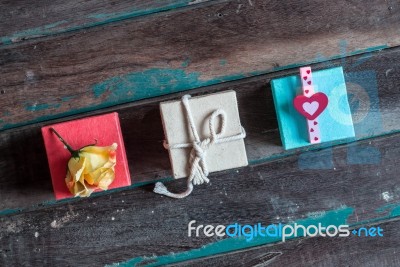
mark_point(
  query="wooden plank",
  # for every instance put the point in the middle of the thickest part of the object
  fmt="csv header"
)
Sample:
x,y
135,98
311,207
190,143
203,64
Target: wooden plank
x,y
138,226
25,20
158,55
319,251
372,79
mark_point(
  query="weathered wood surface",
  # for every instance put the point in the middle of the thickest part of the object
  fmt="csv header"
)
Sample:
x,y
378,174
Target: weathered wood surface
x,y
24,174
87,68
180,50
327,252
131,224
27,20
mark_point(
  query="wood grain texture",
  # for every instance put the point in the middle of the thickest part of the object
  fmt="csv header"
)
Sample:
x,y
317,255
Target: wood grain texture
x,y
180,50
25,20
140,226
372,80
327,252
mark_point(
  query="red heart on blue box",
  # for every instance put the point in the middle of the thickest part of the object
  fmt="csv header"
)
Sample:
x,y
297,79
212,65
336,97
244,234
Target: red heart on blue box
x,y
311,107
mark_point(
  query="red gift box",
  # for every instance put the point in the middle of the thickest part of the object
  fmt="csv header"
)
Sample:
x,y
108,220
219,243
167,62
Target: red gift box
x,y
78,133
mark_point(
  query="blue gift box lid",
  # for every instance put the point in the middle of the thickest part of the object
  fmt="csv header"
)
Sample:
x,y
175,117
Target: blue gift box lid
x,y
335,121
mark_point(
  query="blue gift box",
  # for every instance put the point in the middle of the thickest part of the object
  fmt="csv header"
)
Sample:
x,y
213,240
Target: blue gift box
x,y
335,122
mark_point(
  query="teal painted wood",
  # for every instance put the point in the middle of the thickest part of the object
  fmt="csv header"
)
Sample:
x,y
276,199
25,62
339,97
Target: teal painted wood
x,y
330,217
354,250
138,86
24,20
138,59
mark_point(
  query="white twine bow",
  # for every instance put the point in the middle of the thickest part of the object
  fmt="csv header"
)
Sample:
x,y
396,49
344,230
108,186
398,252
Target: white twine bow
x,y
197,161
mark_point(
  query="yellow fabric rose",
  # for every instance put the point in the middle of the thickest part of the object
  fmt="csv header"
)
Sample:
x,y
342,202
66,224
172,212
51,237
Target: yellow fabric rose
x,y
92,169
89,168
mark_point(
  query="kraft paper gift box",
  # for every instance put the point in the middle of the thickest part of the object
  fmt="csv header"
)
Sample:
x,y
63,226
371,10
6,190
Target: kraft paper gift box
x,y
82,132
220,156
335,122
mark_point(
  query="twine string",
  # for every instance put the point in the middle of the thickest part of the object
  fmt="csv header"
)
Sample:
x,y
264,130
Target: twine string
x,y
197,161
